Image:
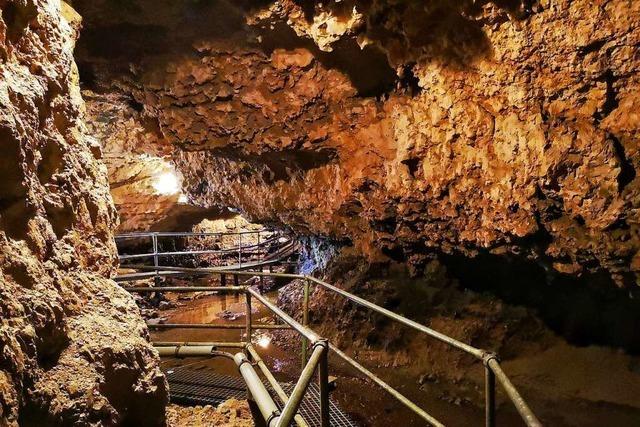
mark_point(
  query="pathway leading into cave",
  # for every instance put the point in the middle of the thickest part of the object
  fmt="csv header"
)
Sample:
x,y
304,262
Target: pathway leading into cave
x,y
366,403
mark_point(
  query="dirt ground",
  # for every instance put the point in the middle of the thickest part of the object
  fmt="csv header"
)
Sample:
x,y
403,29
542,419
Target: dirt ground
x,y
232,413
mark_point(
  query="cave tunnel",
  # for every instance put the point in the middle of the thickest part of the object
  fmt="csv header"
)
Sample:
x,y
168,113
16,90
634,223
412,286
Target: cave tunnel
x,y
340,213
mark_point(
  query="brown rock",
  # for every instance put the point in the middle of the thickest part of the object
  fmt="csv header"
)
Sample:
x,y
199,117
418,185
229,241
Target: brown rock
x,y
74,348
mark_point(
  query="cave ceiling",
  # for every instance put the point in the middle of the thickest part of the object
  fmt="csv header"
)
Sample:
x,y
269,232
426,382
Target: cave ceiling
x,y
405,128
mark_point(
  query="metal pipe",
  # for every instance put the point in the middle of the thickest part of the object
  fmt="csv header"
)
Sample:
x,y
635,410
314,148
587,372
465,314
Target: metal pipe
x,y
386,387
195,252
135,277
188,289
154,239
248,331
196,344
415,325
261,396
274,383
487,357
134,256
291,407
219,270
490,397
305,319
304,331
323,384
190,351
522,407
189,234
263,326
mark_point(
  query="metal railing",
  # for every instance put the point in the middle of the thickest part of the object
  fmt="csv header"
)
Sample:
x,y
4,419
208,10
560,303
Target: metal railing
x,y
320,349
242,249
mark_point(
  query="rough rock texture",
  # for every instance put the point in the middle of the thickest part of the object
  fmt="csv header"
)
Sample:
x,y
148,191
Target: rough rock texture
x,y
231,224
232,413
510,127
558,353
145,185
73,348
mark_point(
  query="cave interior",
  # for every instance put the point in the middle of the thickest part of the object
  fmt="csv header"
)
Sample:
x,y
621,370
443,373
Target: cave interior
x,y
468,165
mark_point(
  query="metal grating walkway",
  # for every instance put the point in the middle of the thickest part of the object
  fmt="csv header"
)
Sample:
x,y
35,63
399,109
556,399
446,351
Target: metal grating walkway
x,y
194,386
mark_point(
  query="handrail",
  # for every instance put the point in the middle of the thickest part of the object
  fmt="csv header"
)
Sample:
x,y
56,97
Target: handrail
x,y
196,252
490,359
491,362
250,251
135,234
480,354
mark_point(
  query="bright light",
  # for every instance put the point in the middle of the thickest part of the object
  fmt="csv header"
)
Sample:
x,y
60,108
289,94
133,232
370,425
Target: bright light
x,y
264,341
167,184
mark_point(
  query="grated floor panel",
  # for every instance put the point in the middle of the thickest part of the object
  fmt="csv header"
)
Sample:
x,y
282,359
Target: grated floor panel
x,y
193,386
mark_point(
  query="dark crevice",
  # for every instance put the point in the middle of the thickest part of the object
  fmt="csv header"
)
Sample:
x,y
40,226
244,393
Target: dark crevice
x,y
591,47
409,82
627,171
15,211
60,217
589,310
52,161
413,165
611,99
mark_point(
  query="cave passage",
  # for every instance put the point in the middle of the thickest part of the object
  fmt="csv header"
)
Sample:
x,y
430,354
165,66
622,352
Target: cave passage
x,y
338,213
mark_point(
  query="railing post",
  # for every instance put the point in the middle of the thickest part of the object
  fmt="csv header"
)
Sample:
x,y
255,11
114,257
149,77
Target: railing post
x,y
323,383
490,397
248,329
259,250
240,249
305,319
154,240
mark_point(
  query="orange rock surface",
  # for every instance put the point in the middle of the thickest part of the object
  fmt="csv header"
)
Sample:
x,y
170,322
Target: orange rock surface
x,y
73,347
459,127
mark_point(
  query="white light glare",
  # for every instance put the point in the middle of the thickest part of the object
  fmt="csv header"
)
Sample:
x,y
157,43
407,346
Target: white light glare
x,y
167,184
264,341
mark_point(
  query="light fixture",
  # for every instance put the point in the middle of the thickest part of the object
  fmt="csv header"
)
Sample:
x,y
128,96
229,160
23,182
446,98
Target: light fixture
x,y
167,184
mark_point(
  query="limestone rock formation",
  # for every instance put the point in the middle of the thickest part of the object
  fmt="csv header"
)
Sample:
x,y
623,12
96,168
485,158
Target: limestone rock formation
x,y
145,185
503,127
73,348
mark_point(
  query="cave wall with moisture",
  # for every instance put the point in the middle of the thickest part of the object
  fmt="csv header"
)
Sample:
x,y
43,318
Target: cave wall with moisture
x,y
73,347
406,128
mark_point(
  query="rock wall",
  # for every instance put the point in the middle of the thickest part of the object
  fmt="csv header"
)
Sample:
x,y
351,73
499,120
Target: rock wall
x,y
407,128
73,348
144,182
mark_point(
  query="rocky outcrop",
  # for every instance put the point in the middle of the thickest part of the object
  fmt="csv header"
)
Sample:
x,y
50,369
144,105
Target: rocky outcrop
x,y
459,128
73,348
144,182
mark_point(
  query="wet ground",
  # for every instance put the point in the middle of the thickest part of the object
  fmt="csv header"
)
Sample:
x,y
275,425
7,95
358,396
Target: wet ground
x,y
566,385
365,402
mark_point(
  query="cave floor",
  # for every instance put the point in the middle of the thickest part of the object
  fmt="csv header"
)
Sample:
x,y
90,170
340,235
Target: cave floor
x,y
566,385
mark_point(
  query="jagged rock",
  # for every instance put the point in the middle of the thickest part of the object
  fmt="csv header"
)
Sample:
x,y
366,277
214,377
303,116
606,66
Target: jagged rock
x,y
509,127
73,348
